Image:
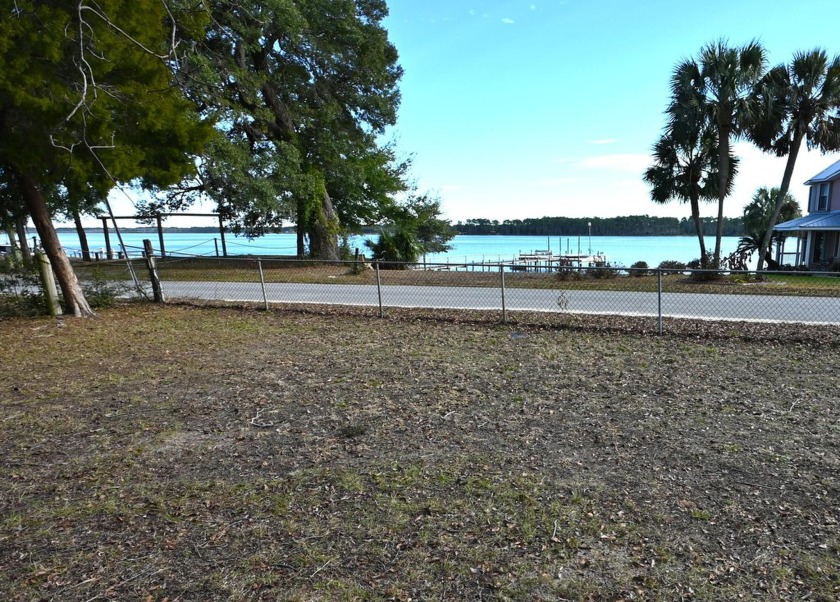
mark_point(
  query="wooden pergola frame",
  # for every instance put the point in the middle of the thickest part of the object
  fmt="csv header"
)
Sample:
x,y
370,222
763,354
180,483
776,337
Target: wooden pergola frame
x,y
159,219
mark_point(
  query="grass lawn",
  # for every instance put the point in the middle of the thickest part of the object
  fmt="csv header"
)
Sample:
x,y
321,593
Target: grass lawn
x,y
183,453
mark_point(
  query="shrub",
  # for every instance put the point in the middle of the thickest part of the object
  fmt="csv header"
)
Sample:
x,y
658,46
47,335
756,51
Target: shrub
x,y
394,249
99,292
640,268
569,275
705,275
603,273
794,268
20,291
670,264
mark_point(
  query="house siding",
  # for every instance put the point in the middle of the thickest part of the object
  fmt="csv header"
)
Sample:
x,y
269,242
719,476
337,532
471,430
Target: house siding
x,y
833,197
834,202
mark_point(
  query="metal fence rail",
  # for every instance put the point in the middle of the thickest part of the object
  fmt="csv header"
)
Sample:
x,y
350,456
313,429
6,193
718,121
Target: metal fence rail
x,y
506,288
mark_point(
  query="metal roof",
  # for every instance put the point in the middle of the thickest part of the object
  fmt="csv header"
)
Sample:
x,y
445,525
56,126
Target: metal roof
x,y
826,220
831,172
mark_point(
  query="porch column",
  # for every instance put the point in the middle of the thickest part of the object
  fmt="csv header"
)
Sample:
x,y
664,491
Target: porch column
x,y
806,259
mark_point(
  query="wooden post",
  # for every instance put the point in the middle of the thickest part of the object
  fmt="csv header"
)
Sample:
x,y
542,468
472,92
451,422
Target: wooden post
x,y
157,291
659,299
379,290
216,243
262,283
504,305
160,237
109,252
48,282
222,233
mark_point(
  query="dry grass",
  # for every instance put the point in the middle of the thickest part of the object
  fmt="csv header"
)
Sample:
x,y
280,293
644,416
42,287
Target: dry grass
x,y
183,453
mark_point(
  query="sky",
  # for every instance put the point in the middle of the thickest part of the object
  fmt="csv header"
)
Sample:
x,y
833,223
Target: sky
x,y
529,108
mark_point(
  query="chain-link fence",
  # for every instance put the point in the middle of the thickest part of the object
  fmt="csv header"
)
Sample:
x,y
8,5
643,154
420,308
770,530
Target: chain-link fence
x,y
504,291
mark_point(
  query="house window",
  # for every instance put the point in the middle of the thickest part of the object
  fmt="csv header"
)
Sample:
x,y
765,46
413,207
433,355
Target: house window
x,y
823,196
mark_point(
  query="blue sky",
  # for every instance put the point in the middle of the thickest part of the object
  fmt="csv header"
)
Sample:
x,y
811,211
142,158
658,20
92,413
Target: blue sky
x,y
527,108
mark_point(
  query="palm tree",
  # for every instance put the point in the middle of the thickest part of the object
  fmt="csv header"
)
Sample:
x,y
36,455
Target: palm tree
x,y
721,83
799,101
685,166
682,162
756,217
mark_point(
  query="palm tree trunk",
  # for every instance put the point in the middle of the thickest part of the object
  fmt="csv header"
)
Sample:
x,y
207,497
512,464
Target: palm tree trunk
x,y
723,180
780,199
75,303
698,227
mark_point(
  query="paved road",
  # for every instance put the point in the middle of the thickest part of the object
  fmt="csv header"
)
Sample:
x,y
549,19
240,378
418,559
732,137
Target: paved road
x,y
685,305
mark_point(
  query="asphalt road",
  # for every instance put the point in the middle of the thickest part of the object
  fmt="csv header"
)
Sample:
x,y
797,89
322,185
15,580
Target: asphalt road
x,y
772,308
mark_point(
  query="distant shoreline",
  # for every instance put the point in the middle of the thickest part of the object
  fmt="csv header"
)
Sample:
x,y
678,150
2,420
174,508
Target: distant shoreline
x,y
203,230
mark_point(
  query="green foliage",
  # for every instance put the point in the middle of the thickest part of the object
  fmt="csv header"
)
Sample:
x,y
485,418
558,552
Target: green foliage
x,y
671,264
87,101
798,102
640,268
758,215
20,290
759,212
570,275
100,292
414,229
303,91
716,88
396,245
602,273
85,91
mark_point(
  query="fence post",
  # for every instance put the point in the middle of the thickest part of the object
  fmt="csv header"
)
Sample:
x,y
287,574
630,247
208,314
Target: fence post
x,y
48,283
504,307
262,283
379,289
659,298
157,291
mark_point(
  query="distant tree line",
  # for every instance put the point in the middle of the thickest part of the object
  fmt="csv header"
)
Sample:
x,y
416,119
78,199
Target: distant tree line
x,y
631,225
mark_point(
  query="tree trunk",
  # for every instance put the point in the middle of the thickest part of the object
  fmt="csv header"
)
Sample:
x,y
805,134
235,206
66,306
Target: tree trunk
x,y
323,231
698,227
723,180
14,253
301,228
80,230
75,303
26,253
764,249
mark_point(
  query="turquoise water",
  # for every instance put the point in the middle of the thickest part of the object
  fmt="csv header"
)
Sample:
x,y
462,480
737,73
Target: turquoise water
x,y
620,250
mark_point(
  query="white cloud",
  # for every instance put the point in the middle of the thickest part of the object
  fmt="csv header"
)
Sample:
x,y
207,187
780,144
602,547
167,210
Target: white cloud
x,y
508,21
603,141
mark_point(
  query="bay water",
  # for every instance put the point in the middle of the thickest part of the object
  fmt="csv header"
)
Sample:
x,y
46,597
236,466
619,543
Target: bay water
x,y
619,250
